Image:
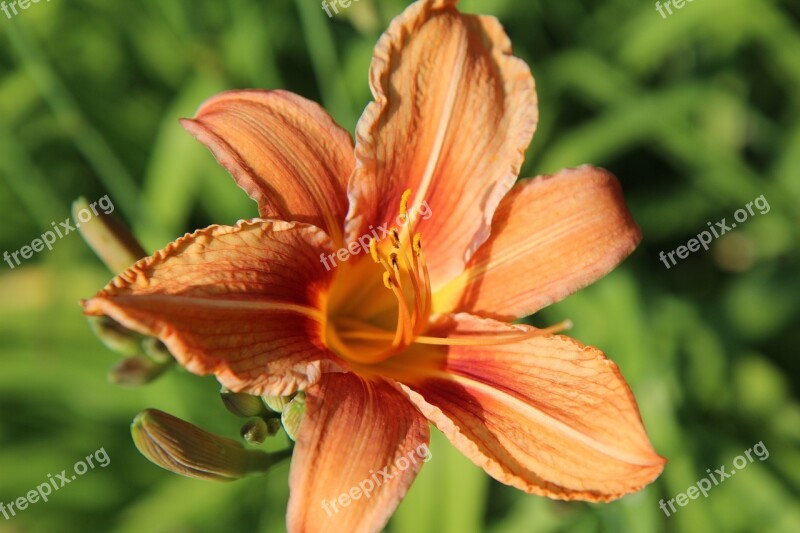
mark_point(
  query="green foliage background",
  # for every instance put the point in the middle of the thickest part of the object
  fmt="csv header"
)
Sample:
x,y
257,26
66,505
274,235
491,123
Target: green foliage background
x,y
697,114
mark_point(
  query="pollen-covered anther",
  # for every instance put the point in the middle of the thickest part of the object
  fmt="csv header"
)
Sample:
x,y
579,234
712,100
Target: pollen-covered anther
x,y
387,280
404,202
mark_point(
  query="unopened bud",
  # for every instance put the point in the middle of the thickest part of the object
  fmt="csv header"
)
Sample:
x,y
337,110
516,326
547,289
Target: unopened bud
x,y
135,371
156,350
110,239
273,426
114,335
244,405
293,414
255,431
190,451
277,403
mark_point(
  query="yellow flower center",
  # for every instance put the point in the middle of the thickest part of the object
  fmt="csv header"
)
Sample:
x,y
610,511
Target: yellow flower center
x,y
368,323
377,308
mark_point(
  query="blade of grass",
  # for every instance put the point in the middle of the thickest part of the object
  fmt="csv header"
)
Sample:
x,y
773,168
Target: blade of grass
x,y
173,175
322,49
27,181
88,141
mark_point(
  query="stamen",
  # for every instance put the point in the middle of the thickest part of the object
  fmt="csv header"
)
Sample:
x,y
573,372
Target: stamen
x,y
404,329
404,202
341,347
404,321
495,339
487,339
406,275
359,326
419,325
419,258
367,335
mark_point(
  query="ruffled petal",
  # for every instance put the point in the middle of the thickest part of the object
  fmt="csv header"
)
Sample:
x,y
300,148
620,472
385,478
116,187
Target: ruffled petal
x,y
453,114
551,236
285,151
361,445
546,415
244,303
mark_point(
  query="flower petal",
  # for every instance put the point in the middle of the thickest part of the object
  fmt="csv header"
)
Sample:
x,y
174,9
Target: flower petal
x,y
453,114
240,302
546,415
360,447
551,236
285,151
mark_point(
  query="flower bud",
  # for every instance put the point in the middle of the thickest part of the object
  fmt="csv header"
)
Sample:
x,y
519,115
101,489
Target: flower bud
x,y
255,431
110,239
244,405
190,451
135,371
273,426
293,415
114,335
277,403
157,350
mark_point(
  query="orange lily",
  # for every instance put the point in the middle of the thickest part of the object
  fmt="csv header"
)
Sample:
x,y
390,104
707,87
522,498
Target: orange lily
x,y
414,326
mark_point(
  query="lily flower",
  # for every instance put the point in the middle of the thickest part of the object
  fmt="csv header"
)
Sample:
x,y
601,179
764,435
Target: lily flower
x,y
383,277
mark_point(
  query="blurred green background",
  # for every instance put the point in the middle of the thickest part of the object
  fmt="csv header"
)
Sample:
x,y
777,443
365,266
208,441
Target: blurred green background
x,y
697,114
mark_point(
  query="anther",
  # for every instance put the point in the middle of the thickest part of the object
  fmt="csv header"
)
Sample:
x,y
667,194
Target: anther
x,y
404,202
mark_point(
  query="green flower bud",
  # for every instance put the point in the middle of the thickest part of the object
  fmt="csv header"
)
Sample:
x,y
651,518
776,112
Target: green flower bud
x,y
114,335
157,350
255,431
273,426
135,371
277,403
110,239
293,415
244,405
190,451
